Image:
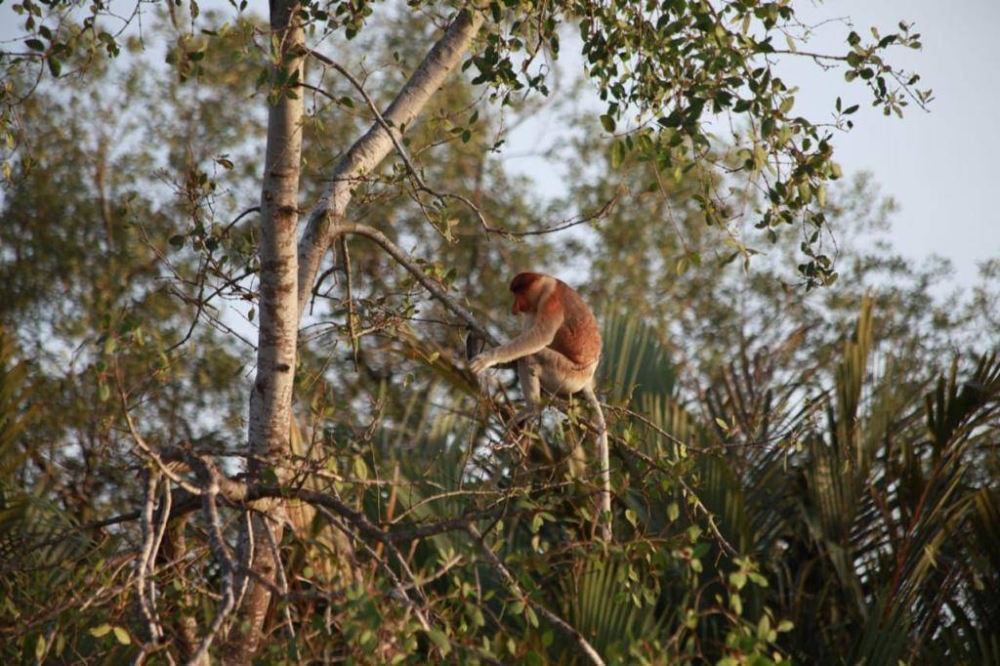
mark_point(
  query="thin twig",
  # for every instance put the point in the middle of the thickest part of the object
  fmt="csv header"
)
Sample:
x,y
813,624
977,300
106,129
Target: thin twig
x,y
557,622
601,212
414,269
146,449
282,578
147,556
351,312
726,546
410,169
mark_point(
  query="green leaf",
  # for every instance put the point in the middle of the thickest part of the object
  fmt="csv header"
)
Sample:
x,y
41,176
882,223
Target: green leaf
x,y
440,639
536,523
360,468
100,630
608,123
632,517
764,628
121,635
617,154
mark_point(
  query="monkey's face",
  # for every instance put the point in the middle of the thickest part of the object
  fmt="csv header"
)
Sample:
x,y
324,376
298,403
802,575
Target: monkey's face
x,y
521,304
524,287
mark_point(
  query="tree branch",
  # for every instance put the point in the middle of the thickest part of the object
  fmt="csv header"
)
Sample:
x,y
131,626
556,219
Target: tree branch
x,y
397,253
371,149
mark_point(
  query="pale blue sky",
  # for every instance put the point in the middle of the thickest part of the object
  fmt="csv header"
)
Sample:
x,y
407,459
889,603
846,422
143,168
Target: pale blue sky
x,y
937,165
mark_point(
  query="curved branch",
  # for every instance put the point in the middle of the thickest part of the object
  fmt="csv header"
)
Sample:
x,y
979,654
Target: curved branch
x,y
400,255
443,59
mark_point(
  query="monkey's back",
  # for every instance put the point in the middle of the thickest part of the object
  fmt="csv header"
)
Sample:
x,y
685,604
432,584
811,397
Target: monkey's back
x,y
579,338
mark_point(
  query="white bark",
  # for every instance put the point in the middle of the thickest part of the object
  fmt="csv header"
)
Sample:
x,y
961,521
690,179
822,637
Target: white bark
x,y
288,269
271,399
271,396
366,154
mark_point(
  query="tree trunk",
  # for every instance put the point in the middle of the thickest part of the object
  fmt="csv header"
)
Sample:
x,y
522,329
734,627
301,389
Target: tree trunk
x,y
285,284
271,396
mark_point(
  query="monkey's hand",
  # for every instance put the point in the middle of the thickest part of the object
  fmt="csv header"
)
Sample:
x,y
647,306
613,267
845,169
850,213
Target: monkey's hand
x,y
481,363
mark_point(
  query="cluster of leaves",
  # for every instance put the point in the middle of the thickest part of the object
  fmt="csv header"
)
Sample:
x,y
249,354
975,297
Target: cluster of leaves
x,y
890,88
672,74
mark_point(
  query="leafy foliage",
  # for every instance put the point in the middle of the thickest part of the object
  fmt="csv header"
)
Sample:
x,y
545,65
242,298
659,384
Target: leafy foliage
x,y
796,478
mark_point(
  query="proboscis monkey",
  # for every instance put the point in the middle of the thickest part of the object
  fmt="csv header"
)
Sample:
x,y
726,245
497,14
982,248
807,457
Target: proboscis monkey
x,y
557,352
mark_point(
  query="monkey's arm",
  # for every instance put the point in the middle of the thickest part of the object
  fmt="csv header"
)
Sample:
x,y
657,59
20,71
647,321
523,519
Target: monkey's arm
x,y
531,341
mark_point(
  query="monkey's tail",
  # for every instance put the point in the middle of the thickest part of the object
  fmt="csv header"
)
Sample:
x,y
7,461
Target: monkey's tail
x,y
604,516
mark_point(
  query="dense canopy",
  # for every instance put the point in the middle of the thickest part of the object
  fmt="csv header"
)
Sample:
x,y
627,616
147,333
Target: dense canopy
x,y
240,254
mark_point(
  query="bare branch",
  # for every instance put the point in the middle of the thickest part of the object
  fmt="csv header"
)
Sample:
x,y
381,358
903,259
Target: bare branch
x,y
209,476
151,537
414,269
373,147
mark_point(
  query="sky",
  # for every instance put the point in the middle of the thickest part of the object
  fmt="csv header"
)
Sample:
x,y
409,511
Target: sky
x,y
937,165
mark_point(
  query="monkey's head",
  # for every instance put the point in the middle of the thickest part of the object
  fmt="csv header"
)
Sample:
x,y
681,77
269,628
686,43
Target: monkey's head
x,y
526,288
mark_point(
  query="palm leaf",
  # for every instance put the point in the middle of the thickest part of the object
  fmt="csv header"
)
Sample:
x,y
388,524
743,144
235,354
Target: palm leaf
x,y
603,604
634,362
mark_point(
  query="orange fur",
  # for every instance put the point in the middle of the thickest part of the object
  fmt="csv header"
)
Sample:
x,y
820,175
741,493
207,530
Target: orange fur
x,y
559,345
578,337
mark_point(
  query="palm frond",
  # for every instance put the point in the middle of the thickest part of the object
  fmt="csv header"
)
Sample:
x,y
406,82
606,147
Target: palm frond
x,y
634,363
603,604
